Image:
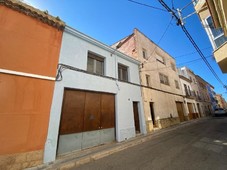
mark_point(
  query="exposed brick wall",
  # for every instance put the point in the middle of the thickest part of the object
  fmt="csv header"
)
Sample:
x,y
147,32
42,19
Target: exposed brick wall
x,y
21,160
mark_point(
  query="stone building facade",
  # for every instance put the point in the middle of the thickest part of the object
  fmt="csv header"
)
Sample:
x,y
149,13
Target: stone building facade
x,y
161,90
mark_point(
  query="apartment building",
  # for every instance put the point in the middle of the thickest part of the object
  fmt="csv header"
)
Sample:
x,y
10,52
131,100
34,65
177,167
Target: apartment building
x,y
29,52
221,103
102,86
212,96
161,90
212,14
205,100
191,106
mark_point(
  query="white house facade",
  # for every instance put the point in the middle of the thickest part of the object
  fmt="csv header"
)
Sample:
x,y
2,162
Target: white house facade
x,y
97,97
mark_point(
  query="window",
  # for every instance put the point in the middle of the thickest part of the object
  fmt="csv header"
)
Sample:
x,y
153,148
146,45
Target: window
x,y
217,33
95,64
195,2
173,67
189,91
144,54
148,80
122,72
186,89
160,59
194,81
177,84
164,79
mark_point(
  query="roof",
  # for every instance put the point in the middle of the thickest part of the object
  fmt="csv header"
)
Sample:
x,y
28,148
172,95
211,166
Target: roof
x,y
33,12
204,81
157,46
97,43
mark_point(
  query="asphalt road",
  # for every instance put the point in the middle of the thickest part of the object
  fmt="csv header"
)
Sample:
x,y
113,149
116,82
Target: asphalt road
x,y
197,146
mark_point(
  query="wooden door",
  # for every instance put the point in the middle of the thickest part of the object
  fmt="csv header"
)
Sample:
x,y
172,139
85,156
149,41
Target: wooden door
x,y
92,111
190,108
199,109
107,111
152,113
180,111
72,112
136,117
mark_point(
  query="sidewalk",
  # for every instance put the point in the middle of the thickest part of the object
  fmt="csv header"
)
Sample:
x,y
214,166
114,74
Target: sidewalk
x,y
78,158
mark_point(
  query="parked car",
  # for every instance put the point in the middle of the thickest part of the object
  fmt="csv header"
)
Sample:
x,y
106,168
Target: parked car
x,y
220,112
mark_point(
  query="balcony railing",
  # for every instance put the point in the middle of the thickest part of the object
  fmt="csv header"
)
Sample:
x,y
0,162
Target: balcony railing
x,y
190,94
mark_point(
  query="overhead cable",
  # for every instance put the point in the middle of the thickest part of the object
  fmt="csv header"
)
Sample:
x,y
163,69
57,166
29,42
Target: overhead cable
x,y
180,22
139,3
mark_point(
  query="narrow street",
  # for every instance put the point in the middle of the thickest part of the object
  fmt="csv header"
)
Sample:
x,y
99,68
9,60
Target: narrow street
x,y
200,145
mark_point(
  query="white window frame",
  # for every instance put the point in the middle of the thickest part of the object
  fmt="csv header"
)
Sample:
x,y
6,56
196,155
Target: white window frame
x,y
210,34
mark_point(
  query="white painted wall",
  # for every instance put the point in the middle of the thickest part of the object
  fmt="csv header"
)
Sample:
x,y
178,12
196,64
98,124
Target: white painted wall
x,y
75,47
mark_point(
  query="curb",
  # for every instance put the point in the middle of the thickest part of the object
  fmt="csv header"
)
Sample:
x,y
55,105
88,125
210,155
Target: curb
x,y
64,164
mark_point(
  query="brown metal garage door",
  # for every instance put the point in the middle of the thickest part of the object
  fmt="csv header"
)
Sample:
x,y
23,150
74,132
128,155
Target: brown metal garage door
x,y
87,120
86,111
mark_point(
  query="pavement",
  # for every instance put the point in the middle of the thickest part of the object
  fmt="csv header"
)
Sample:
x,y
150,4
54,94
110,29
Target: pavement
x,y
78,158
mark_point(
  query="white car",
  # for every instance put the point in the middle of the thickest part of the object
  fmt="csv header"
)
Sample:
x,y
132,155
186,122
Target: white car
x,y
220,112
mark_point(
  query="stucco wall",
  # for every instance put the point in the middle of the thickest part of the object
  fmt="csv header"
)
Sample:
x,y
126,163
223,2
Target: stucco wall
x,y
29,51
24,113
162,96
34,46
75,47
26,45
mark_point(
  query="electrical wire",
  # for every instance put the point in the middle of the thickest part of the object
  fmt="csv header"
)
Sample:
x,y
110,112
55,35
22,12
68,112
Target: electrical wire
x,y
180,64
179,22
172,5
194,52
153,7
192,61
164,33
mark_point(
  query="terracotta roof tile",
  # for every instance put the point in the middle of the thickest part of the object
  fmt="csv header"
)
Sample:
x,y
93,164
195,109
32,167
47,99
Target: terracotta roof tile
x,y
33,12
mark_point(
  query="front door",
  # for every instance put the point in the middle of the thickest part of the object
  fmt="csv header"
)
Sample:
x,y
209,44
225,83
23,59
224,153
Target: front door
x,y
190,108
136,117
180,111
199,110
152,113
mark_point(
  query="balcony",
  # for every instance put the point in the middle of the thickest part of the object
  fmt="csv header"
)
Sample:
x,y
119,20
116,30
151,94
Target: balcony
x,y
220,56
190,94
199,4
199,98
183,73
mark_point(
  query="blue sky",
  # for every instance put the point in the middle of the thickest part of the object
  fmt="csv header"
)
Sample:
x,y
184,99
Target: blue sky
x,y
110,20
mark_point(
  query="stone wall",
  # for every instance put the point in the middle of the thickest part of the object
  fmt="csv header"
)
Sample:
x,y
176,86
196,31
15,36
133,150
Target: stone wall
x,y
21,160
166,122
